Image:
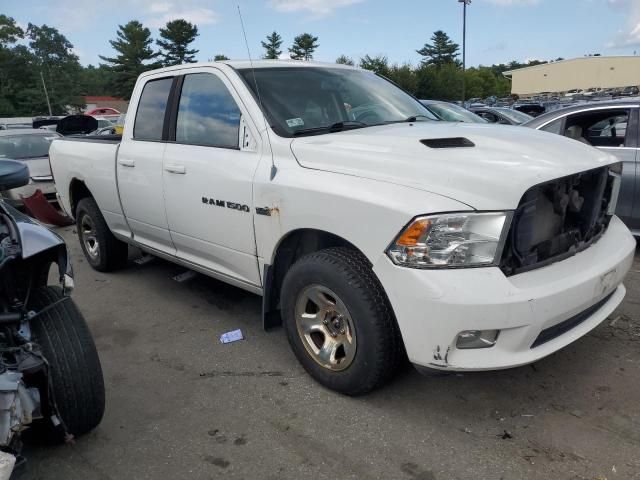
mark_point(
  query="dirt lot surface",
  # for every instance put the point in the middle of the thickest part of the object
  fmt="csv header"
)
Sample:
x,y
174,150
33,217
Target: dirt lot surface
x,y
180,405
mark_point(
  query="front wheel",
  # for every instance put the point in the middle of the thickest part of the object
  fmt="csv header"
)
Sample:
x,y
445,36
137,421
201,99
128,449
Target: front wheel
x,y
339,322
74,365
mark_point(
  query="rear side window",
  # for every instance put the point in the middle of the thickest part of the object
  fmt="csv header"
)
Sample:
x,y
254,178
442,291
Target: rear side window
x,y
208,114
151,108
554,127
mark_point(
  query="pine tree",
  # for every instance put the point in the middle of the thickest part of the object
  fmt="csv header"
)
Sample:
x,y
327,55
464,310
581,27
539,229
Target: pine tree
x,y
441,51
135,56
176,38
272,46
220,57
344,60
303,47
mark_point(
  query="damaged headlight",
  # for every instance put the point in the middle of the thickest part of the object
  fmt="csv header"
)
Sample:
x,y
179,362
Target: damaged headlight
x,y
451,240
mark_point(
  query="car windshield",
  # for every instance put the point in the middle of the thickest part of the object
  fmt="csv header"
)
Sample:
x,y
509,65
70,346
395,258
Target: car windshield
x,y
312,100
26,146
514,115
450,112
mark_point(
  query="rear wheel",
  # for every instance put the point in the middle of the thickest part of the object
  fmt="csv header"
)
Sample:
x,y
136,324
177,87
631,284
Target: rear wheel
x,y
74,365
102,249
339,322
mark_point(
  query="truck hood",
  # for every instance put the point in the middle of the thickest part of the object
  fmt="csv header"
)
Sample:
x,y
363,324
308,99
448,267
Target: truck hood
x,y
492,175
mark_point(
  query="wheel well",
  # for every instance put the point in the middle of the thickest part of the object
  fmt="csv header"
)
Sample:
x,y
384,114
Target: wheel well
x,y
77,191
295,245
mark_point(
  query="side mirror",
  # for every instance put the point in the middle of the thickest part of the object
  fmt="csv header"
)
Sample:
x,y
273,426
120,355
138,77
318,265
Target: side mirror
x,y
13,174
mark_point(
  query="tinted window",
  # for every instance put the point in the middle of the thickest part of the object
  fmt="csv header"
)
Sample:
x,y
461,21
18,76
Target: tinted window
x,y
150,115
208,114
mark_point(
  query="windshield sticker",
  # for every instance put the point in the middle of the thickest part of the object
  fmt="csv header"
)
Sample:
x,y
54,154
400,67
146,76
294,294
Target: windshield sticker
x,y
295,122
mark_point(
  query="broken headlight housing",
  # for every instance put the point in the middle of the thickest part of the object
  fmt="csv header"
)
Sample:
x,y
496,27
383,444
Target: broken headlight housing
x,y
451,240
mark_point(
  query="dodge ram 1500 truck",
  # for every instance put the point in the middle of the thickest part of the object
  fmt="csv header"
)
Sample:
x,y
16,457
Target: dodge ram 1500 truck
x,y
372,230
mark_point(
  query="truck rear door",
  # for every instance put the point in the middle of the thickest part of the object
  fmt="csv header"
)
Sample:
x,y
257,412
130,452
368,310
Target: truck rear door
x,y
139,165
208,177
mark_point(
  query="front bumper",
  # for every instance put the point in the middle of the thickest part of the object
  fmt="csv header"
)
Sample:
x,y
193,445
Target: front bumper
x,y
14,197
433,306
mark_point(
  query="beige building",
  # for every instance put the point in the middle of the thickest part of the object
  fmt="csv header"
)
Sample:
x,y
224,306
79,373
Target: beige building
x,y
582,73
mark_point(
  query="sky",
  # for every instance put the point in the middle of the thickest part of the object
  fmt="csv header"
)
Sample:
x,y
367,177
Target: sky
x,y
498,31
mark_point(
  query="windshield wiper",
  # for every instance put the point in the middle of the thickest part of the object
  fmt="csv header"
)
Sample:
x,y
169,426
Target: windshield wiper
x,y
411,119
336,127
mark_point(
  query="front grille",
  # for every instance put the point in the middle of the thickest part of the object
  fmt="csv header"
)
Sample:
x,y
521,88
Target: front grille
x,y
561,328
558,219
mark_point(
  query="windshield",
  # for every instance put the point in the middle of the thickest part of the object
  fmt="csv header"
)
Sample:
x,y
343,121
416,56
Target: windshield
x,y
514,115
450,112
26,146
311,100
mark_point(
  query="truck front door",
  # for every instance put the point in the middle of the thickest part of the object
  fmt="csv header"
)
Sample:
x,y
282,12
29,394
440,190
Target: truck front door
x,y
208,178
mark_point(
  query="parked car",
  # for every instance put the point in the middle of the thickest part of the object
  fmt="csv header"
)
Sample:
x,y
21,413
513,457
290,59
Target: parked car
x,y
572,93
611,126
102,111
51,377
450,112
630,92
368,229
501,115
31,147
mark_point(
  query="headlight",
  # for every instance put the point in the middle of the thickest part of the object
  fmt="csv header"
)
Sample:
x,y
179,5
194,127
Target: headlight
x,y
451,240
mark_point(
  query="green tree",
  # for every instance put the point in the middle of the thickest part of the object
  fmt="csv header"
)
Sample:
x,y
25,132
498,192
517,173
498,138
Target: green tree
x,y
303,47
378,64
405,77
220,57
176,38
134,56
53,57
272,46
10,32
440,51
344,60
96,80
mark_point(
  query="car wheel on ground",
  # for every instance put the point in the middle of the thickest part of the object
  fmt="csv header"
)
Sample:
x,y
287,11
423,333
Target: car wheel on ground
x,y
339,322
103,250
77,385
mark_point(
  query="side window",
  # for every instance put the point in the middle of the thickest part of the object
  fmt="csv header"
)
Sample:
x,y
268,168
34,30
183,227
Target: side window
x,y
150,115
207,114
489,117
553,127
600,128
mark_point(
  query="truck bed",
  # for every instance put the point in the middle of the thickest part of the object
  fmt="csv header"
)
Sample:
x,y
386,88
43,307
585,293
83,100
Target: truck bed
x,y
88,160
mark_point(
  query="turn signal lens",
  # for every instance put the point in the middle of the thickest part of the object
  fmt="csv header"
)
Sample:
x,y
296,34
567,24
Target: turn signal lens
x,y
414,232
451,240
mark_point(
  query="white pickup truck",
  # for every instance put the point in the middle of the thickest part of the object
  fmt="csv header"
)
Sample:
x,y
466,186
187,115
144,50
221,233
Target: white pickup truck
x,y
372,230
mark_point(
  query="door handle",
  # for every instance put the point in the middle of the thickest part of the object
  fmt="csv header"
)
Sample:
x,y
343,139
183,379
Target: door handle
x,y
179,169
127,163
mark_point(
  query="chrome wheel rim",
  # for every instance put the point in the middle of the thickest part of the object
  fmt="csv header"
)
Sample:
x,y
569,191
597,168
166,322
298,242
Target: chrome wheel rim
x,y
325,327
89,238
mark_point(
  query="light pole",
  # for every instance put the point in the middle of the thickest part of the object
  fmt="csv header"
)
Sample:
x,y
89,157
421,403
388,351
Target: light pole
x,y
464,46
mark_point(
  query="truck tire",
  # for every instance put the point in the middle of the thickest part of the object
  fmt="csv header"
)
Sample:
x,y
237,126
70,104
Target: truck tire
x,y
102,249
74,365
339,322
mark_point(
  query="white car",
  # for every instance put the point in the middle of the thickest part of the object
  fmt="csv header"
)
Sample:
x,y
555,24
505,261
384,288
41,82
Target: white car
x,y
30,146
370,228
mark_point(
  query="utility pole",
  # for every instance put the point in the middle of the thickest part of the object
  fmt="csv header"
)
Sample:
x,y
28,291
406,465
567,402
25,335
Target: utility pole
x,y
46,94
464,46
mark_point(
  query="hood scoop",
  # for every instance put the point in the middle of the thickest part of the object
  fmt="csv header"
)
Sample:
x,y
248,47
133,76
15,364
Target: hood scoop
x,y
453,142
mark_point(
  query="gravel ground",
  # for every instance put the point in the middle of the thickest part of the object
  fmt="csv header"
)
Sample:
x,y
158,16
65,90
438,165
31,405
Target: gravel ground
x,y
180,405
